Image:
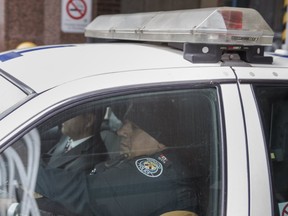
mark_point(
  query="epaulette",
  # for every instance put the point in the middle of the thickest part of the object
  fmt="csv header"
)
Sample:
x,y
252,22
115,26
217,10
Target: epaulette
x,y
163,159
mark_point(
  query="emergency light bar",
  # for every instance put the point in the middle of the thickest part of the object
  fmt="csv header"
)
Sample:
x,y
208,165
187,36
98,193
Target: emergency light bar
x,y
224,25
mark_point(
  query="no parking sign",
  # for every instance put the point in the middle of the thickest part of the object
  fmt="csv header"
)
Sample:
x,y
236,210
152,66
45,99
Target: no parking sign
x,y
75,15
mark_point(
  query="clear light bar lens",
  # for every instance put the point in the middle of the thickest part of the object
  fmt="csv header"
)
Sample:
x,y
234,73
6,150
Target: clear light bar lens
x,y
224,25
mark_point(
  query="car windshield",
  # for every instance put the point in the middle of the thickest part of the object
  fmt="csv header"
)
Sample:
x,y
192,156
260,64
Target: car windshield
x,y
10,94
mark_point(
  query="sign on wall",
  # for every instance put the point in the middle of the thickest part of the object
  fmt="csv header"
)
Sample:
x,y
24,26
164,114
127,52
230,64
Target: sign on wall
x,y
75,15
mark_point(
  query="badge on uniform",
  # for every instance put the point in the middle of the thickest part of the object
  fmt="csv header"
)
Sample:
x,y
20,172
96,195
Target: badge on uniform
x,y
149,167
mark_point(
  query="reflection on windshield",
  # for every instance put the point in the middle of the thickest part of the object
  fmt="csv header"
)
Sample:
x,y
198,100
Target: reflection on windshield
x,y
10,94
19,167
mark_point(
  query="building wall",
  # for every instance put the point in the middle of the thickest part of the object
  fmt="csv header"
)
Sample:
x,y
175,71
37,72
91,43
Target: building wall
x,y
20,22
128,6
272,11
40,22
108,7
2,25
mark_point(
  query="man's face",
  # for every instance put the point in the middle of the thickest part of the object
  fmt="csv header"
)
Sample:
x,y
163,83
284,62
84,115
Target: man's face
x,y
74,127
135,141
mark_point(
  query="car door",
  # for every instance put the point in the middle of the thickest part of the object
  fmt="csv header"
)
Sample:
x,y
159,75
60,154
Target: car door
x,y
264,95
202,112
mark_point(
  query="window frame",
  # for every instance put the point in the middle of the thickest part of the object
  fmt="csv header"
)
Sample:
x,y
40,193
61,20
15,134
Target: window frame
x,y
93,96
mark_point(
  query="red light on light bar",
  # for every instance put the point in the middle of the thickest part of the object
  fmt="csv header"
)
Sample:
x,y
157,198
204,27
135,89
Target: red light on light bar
x,y
234,47
232,19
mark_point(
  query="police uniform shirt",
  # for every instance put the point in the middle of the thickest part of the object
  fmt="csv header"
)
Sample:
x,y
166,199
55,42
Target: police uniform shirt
x,y
146,185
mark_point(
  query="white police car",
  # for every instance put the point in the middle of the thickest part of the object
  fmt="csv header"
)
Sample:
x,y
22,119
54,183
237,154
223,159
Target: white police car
x,y
228,107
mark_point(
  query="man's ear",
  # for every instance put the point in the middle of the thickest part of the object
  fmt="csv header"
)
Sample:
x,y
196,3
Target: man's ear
x,y
90,120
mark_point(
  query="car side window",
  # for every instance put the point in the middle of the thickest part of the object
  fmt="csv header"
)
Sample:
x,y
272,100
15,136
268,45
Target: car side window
x,y
273,107
141,153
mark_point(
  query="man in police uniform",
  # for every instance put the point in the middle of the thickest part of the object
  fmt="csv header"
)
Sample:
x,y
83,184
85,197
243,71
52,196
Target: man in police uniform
x,y
147,179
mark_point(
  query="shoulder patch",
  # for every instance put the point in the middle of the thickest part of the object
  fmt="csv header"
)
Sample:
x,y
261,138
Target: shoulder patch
x,y
149,167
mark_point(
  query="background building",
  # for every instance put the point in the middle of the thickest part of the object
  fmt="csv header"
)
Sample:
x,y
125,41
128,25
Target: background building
x,y
59,21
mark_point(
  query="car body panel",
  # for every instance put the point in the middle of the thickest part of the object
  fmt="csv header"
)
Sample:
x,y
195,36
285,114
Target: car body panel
x,y
81,61
247,74
236,150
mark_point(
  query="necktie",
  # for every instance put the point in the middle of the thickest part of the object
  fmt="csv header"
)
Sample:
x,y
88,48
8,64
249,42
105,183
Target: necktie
x,y
68,145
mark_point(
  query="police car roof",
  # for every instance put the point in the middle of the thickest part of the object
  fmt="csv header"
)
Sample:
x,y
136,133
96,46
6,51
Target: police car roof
x,y
42,68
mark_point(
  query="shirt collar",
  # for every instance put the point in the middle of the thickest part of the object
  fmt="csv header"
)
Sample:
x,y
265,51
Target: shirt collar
x,y
77,142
